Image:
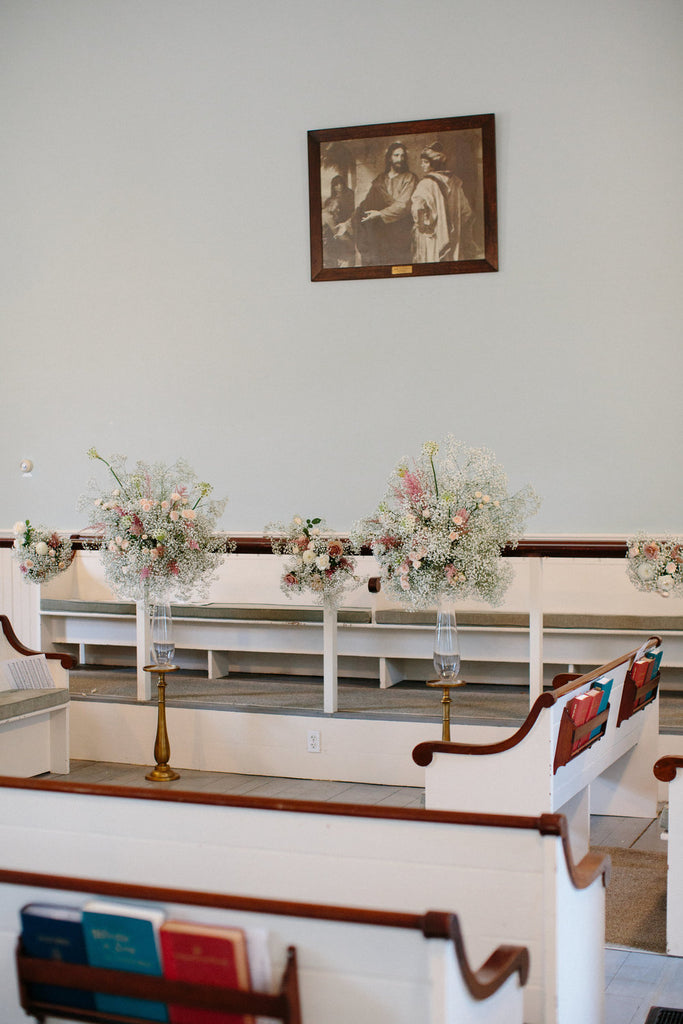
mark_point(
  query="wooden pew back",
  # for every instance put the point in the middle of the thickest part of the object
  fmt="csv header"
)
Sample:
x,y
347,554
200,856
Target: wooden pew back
x,y
510,879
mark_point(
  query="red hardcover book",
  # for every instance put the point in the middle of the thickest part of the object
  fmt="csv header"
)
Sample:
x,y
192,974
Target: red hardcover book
x,y
641,671
579,710
205,955
593,710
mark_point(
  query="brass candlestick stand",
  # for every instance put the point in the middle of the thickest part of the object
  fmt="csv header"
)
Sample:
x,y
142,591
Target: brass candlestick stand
x,y
446,703
162,747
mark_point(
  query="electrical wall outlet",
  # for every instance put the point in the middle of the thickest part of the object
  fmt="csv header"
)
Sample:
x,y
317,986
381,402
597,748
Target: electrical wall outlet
x,y
313,741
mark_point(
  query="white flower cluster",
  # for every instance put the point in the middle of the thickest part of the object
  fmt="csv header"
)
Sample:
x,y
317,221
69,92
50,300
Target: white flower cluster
x,y
156,530
41,553
443,524
655,564
314,560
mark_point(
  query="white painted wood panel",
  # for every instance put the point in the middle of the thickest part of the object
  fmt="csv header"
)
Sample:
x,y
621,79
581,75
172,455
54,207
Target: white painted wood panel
x,y
502,882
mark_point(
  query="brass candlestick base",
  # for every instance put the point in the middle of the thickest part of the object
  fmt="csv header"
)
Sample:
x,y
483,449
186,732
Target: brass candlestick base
x,y
162,747
446,703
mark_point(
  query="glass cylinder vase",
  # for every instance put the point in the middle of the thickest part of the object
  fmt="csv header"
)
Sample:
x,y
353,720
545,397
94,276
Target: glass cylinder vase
x,y
446,642
163,644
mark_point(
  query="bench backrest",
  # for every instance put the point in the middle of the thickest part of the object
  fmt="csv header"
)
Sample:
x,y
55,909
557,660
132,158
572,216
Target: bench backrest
x,y
351,963
512,878
522,773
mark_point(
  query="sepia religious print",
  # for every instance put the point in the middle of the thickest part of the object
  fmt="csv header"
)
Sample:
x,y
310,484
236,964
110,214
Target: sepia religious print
x,y
403,199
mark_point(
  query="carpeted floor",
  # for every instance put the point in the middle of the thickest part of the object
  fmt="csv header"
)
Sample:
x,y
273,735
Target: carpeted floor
x,y
636,899
507,705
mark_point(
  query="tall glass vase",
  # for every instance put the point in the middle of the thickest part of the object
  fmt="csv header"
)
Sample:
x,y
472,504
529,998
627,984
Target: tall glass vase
x,y
163,644
446,643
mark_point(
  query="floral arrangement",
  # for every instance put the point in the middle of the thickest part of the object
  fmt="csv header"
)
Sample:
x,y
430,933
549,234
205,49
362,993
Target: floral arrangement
x,y
41,553
314,560
443,523
157,529
655,564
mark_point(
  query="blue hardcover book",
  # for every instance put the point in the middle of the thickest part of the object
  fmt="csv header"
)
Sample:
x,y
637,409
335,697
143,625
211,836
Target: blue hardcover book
x,y
124,937
655,657
606,686
50,931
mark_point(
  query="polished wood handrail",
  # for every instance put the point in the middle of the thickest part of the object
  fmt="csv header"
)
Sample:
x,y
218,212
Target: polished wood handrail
x,y
66,660
544,824
434,924
529,547
665,768
424,752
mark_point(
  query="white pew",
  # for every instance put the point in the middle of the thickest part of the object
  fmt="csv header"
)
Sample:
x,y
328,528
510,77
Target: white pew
x,y
670,769
336,963
34,724
534,771
510,879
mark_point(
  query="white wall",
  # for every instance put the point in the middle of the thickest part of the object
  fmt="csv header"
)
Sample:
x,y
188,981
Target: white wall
x,y
155,278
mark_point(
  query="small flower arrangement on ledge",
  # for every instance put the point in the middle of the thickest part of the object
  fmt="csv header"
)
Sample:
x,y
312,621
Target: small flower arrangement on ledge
x,y
157,529
443,523
655,564
313,560
41,553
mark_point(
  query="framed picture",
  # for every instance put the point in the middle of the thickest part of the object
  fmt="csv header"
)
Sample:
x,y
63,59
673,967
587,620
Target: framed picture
x,y
403,199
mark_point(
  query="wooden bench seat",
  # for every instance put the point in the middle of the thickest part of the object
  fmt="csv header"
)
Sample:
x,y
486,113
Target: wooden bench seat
x,y
214,610
34,724
510,879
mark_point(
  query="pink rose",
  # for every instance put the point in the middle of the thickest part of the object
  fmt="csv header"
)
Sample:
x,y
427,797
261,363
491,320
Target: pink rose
x,y
290,579
335,549
651,550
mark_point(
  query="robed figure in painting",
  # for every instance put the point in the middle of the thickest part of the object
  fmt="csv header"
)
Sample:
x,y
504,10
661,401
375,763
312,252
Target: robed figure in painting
x,y
383,219
442,215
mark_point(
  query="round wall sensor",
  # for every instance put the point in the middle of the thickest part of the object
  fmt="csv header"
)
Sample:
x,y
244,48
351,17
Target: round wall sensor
x,y
26,465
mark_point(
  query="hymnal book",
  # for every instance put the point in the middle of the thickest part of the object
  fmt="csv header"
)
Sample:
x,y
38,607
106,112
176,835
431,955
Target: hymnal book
x,y
656,659
29,673
124,937
604,686
580,712
205,955
640,672
50,931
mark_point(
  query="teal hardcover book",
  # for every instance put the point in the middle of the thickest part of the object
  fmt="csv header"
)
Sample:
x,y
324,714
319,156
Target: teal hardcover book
x,y
51,931
606,686
124,937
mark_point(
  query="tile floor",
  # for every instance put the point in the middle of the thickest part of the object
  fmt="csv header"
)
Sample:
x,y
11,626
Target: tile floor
x,y
634,981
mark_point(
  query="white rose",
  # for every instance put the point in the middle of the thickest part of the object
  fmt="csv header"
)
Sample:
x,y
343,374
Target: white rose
x,y
671,568
19,528
323,562
646,571
664,583
308,556
41,548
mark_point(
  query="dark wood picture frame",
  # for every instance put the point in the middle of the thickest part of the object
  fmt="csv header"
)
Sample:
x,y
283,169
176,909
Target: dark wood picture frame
x,y
436,182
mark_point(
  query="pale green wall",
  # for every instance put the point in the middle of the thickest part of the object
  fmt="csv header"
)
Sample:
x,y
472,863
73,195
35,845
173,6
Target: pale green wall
x,y
155,291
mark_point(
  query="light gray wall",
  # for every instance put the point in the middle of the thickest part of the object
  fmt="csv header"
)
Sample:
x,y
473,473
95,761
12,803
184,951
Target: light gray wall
x,y
155,286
